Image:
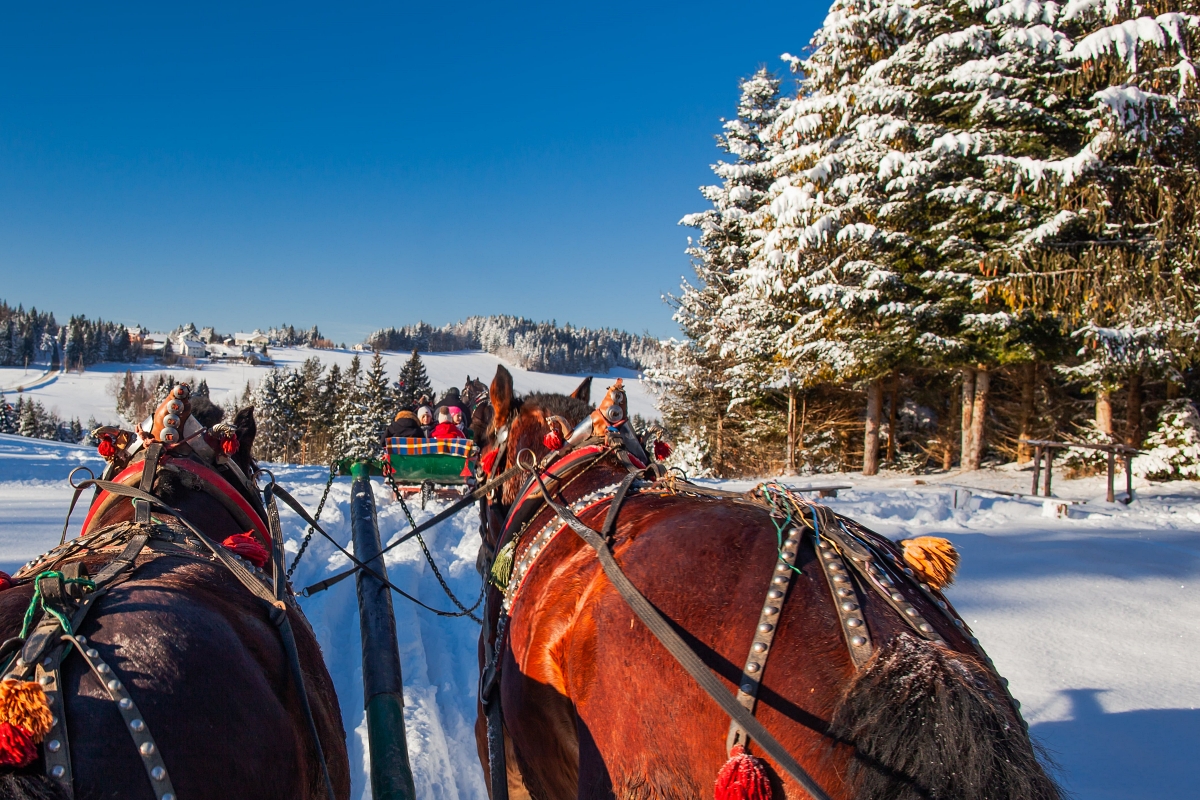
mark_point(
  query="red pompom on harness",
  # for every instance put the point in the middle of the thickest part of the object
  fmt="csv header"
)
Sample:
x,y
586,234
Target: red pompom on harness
x,y
248,547
488,461
106,448
662,450
5,581
553,440
230,445
16,746
743,777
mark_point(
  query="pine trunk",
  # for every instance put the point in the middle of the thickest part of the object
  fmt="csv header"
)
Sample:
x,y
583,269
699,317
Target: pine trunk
x,y
968,408
891,444
952,423
871,438
983,380
717,471
1133,411
789,467
1104,412
1028,409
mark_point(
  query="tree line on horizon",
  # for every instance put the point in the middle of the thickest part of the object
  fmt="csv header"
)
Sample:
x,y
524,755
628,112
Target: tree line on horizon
x,y
972,223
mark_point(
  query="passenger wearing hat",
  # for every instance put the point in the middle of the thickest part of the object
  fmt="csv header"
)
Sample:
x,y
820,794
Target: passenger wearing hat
x,y
425,417
446,429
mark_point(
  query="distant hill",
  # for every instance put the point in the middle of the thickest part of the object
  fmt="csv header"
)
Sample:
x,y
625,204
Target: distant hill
x,y
536,346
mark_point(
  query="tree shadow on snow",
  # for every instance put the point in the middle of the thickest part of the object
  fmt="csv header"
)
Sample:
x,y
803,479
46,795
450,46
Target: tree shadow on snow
x,y
1126,755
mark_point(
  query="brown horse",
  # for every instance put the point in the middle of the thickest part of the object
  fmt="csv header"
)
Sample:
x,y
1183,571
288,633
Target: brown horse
x,y
595,707
199,657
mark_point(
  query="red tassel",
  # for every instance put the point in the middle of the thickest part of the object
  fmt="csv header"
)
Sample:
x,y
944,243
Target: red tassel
x,y
106,448
5,581
743,777
16,746
553,440
249,548
230,445
662,450
488,461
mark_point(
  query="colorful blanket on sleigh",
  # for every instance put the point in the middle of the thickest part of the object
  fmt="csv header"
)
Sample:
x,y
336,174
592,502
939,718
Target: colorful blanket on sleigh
x,y
425,447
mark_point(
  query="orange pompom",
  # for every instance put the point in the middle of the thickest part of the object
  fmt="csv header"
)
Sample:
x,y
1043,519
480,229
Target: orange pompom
x,y
23,703
17,748
933,559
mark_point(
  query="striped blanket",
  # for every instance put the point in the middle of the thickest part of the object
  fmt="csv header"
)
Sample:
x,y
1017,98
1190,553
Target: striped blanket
x,y
424,447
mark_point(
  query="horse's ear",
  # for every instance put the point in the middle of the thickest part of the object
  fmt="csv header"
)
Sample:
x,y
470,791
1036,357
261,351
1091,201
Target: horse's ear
x,y
502,394
246,429
584,391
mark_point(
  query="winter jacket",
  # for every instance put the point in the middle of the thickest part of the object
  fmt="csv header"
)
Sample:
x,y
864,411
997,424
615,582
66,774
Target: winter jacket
x,y
405,426
447,430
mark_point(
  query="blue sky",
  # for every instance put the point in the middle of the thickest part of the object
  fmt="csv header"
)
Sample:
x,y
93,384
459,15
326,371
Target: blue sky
x,y
360,166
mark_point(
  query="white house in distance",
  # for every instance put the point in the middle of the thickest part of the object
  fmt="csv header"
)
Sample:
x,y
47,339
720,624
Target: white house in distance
x,y
189,348
256,338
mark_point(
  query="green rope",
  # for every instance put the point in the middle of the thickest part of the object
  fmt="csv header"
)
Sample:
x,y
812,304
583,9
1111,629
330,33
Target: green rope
x,y
37,600
772,492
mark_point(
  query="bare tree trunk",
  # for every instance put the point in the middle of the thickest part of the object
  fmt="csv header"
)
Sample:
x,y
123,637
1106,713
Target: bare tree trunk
x,y
1104,412
871,439
1172,390
983,380
789,467
968,409
891,445
1133,411
717,466
952,422
1028,409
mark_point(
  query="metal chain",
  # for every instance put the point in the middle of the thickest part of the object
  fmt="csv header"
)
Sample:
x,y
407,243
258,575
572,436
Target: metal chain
x,y
466,612
311,530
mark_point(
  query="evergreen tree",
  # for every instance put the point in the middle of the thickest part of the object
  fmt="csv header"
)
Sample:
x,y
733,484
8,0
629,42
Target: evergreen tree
x,y
700,378
356,434
8,416
412,383
380,403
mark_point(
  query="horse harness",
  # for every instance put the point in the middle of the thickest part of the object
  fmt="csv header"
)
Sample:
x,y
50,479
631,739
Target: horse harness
x,y
853,561
67,595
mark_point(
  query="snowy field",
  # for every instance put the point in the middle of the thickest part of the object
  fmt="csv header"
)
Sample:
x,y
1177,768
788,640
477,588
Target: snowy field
x,y
86,395
1094,617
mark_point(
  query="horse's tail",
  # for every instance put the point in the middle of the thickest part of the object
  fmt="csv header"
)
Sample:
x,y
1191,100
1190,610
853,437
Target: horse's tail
x,y
930,724
30,786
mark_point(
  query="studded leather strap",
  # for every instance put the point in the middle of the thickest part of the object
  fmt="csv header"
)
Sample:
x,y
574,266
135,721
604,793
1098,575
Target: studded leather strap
x,y
764,634
156,770
56,751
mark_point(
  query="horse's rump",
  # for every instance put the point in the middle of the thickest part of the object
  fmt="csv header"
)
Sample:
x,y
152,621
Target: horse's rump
x,y
210,678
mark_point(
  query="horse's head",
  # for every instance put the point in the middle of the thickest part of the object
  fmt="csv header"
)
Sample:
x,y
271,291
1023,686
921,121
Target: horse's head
x,y
205,470
521,423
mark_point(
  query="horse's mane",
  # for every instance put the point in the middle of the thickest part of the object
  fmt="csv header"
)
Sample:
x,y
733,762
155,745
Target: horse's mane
x,y
565,406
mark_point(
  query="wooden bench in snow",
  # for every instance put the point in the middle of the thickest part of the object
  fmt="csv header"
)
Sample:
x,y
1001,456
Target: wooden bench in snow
x,y
1046,448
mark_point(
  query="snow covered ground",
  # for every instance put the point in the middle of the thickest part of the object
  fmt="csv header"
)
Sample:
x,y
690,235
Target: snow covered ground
x,y
87,394
1093,616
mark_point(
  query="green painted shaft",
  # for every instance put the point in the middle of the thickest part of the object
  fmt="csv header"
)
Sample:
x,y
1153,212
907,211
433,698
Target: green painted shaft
x,y
385,731
383,685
